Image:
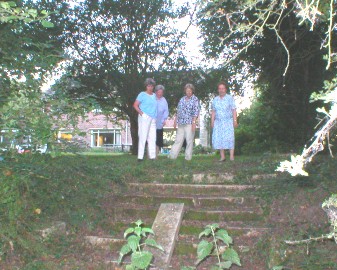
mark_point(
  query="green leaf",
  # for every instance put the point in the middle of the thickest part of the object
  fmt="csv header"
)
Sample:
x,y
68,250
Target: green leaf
x,y
47,24
206,232
279,267
130,267
225,265
128,231
139,222
148,230
142,259
224,237
124,250
214,226
133,242
232,256
153,243
27,20
11,3
4,5
32,12
204,250
138,231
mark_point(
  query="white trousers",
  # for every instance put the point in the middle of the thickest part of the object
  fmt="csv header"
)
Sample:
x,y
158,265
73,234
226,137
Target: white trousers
x,y
183,132
146,132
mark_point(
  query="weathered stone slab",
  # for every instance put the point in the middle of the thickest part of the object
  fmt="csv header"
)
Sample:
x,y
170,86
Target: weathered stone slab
x,y
101,241
166,228
212,178
58,227
195,189
263,176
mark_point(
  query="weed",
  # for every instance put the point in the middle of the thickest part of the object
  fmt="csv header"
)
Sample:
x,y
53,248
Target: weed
x,y
137,239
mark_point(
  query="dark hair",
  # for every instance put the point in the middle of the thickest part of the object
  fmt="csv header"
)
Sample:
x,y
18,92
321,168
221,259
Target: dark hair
x,y
222,83
149,81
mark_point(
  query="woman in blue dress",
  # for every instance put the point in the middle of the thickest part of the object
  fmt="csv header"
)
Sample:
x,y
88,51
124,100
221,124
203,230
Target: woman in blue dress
x,y
223,122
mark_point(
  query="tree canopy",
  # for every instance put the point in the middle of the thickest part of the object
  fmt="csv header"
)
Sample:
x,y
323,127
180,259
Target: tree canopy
x,y
115,45
286,46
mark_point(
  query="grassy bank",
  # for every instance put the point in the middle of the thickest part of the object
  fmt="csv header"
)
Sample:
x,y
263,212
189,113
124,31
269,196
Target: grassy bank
x,y
37,190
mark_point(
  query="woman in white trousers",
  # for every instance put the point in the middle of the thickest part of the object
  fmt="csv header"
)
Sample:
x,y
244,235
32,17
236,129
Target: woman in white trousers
x,y
146,106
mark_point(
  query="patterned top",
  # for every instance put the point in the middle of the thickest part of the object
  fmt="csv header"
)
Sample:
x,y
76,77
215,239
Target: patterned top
x,y
162,112
223,130
187,109
223,107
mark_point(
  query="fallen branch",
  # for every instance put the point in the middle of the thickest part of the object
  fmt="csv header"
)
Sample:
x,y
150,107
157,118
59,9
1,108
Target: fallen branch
x,y
297,163
323,133
329,236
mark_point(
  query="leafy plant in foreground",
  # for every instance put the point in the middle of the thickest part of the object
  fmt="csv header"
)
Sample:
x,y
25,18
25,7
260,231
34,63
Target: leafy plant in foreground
x,y
137,239
206,248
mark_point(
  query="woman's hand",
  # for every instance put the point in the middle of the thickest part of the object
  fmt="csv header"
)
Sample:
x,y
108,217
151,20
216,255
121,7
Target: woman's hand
x,y
193,126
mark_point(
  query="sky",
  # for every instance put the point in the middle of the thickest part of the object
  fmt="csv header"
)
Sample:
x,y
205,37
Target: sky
x,y
193,40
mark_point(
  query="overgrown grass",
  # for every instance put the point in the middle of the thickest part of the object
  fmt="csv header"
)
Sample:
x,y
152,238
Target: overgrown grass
x,y
72,188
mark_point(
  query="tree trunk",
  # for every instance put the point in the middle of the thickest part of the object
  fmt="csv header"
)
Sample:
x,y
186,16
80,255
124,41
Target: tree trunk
x,y
134,132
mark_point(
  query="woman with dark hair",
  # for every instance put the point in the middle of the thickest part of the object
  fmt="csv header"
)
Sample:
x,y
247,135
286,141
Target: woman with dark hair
x,y
223,122
146,106
186,118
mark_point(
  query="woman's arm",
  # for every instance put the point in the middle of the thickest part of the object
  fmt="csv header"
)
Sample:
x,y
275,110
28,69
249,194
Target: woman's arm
x,y
166,113
212,118
136,106
235,118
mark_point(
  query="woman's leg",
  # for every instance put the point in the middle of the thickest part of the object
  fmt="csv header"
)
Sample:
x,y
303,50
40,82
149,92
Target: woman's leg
x,y
189,142
143,130
222,154
231,154
151,139
176,147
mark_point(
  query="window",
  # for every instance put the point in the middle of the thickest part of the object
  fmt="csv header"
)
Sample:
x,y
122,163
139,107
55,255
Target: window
x,y
65,135
105,137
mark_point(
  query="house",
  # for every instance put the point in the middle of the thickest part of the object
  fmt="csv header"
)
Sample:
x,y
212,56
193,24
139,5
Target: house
x,y
100,131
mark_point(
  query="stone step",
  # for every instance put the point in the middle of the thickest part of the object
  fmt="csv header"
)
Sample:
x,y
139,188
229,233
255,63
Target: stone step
x,y
152,189
228,202
147,214
200,202
233,230
129,215
222,216
185,254
196,226
211,178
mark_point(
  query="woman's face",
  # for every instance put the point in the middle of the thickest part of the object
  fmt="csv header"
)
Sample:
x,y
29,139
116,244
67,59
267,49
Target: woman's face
x,y
160,93
188,92
222,90
149,88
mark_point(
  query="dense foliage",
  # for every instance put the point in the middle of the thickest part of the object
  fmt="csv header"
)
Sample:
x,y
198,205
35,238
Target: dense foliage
x,y
281,42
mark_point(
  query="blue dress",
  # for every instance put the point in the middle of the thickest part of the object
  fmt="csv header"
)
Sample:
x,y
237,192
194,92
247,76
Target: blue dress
x,y
223,130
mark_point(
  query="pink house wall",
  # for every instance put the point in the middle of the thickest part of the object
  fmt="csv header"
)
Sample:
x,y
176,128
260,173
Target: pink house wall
x,y
97,121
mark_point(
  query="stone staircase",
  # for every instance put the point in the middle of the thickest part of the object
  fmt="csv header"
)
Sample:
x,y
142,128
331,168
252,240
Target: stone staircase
x,y
234,207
